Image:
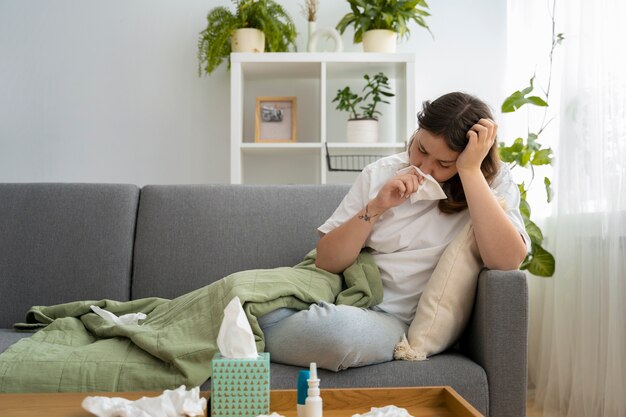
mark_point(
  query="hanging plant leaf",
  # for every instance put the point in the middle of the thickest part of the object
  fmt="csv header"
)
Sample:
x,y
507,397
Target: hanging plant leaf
x,y
532,142
542,157
541,262
548,184
524,208
537,101
519,98
536,236
513,102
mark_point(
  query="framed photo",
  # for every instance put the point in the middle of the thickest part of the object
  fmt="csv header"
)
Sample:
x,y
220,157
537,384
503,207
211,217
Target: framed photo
x,y
275,119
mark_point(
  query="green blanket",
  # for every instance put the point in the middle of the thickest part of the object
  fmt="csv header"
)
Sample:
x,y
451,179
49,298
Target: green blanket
x,y
79,351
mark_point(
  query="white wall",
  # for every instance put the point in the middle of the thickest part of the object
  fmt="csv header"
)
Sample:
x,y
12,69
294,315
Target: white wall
x,y
108,91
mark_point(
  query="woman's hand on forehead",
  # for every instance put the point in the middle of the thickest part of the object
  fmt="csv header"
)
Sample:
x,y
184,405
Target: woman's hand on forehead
x,y
481,137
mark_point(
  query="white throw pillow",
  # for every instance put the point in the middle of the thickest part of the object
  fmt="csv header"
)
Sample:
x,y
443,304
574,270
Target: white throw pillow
x,y
446,303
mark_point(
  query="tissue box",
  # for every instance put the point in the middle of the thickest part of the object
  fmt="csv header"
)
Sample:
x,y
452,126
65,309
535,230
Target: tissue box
x,y
240,387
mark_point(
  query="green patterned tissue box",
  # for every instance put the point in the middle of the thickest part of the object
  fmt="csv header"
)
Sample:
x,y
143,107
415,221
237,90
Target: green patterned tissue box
x,y
240,387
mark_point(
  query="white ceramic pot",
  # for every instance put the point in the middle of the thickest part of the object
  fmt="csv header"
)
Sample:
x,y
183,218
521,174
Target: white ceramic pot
x,y
247,40
362,131
379,40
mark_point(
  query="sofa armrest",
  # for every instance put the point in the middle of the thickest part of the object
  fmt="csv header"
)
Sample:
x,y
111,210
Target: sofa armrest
x,y
497,339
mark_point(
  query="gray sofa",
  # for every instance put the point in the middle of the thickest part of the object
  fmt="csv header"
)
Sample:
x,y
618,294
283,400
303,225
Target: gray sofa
x,y
67,242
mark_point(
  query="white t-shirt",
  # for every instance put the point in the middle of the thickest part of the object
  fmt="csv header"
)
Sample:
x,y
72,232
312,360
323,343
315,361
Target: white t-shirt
x,y
408,240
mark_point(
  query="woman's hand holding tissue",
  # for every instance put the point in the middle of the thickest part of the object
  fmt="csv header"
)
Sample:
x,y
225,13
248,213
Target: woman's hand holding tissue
x,y
235,339
396,191
429,187
409,183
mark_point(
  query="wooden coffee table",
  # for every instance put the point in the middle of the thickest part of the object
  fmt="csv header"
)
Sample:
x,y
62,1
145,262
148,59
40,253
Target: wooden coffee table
x,y
419,402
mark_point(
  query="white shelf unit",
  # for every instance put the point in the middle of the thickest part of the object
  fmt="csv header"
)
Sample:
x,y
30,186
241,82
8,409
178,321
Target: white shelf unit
x,y
314,79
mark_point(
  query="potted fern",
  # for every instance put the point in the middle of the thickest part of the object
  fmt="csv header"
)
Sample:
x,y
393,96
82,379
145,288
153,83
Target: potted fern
x,y
378,23
363,125
254,26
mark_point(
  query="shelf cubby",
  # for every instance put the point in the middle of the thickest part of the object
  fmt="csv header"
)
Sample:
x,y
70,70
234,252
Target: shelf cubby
x,y
313,78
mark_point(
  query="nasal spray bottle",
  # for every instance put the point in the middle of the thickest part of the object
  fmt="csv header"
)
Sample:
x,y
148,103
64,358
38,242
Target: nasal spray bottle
x,y
313,403
303,377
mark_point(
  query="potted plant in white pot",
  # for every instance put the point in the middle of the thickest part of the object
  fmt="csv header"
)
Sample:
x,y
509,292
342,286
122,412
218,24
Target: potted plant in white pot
x,y
378,23
254,26
363,125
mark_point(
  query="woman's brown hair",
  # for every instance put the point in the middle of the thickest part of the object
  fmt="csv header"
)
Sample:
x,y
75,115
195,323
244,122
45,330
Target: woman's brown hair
x,y
451,116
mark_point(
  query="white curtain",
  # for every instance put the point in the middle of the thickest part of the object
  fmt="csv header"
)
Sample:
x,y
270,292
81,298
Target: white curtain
x,y
577,333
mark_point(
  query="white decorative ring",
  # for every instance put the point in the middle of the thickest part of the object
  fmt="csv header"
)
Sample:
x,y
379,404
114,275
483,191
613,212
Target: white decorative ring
x,y
329,33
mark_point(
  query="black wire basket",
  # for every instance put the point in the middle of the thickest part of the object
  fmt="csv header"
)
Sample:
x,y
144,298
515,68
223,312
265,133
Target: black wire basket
x,y
349,163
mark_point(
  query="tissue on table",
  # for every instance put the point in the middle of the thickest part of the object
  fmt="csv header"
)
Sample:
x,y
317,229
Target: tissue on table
x,y
387,411
172,403
240,378
429,190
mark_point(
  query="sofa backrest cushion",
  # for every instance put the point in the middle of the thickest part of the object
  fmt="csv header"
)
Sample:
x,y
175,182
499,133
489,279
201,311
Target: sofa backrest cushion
x,y
64,242
191,235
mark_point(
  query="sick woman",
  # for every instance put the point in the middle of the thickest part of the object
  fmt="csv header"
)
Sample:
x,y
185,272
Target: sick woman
x,y
455,144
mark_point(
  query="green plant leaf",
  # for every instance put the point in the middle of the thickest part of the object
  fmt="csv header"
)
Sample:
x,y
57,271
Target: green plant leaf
x,y
345,22
358,36
548,185
518,145
528,89
519,98
542,157
524,207
536,236
537,101
541,262
522,190
513,102
524,157
532,141
506,154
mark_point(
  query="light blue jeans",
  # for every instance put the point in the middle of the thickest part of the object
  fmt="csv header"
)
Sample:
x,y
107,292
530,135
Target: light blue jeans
x,y
336,337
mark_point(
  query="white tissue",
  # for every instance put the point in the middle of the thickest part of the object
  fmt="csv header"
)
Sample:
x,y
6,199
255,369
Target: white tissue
x,y
172,403
126,319
429,190
387,411
235,339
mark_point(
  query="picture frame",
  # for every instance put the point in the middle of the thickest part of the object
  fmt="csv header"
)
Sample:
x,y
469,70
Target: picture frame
x,y
275,119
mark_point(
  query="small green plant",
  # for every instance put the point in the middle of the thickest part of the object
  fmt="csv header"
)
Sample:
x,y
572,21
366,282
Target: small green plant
x,y
527,154
266,15
376,88
384,14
